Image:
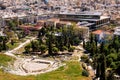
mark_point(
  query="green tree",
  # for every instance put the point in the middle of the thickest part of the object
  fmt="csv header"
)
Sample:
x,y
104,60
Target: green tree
x,y
84,58
50,44
105,49
42,32
84,43
75,41
35,46
55,50
98,70
113,56
93,49
113,65
109,61
85,73
88,46
1,48
116,43
96,40
103,68
64,48
4,43
43,48
102,47
12,25
28,48
71,49
91,38
12,42
112,50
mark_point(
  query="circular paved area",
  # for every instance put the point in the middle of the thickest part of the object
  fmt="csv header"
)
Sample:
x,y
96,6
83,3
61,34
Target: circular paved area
x,y
35,66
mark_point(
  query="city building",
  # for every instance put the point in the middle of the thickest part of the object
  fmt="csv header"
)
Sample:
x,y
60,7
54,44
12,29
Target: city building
x,y
53,22
117,31
85,32
95,18
86,24
102,36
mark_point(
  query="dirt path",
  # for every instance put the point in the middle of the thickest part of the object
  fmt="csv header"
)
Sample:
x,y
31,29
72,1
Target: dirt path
x,y
79,53
11,52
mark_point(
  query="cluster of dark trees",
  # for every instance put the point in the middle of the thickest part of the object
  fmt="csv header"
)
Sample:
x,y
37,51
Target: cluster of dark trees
x,y
104,55
55,39
3,41
12,24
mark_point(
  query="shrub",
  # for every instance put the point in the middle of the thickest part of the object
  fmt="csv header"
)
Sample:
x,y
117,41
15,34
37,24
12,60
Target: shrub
x,y
71,49
43,48
109,61
113,56
27,48
76,41
85,73
65,48
113,65
55,49
85,58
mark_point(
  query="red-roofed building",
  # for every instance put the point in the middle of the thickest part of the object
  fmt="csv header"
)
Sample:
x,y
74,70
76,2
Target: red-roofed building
x,y
29,27
97,32
101,35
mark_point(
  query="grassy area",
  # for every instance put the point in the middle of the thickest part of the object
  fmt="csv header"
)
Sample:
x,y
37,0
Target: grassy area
x,y
12,46
6,76
17,43
5,59
72,71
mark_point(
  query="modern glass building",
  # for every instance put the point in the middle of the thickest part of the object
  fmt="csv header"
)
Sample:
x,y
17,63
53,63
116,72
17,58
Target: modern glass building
x,y
92,17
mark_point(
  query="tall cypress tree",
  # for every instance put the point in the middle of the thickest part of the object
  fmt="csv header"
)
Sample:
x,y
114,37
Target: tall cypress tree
x,y
98,67
50,44
116,44
95,40
103,68
102,47
83,43
98,70
4,43
91,38
93,49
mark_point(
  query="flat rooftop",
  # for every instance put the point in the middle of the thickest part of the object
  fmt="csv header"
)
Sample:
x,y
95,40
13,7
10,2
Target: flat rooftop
x,y
84,23
56,21
77,19
82,13
117,31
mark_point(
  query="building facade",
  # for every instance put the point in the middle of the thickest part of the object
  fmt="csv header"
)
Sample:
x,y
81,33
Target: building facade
x,y
92,17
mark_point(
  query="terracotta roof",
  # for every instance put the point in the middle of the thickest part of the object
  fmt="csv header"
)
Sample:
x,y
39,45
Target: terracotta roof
x,y
36,27
97,32
101,31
